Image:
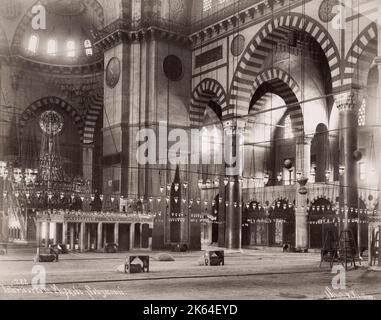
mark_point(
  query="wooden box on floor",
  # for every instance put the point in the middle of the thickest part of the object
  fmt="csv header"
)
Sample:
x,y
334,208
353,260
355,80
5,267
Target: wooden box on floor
x,y
214,258
136,264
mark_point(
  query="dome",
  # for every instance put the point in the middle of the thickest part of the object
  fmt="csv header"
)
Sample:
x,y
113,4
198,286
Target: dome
x,y
68,37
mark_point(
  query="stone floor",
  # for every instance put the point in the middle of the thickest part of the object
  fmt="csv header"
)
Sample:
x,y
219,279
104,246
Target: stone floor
x,y
251,274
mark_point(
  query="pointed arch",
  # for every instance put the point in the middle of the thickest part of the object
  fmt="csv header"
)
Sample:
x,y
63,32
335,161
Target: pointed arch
x,y
4,45
94,111
253,59
206,91
361,50
48,103
272,74
278,82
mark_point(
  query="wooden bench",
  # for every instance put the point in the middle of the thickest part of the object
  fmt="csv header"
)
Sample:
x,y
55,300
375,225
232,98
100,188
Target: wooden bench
x,y
214,258
133,265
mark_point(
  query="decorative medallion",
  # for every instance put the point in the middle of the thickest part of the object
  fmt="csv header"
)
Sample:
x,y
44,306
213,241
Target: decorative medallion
x,y
66,7
173,68
113,72
238,45
10,9
151,7
51,122
326,13
177,6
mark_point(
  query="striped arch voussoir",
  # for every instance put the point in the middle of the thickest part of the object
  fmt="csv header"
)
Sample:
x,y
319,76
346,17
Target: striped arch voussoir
x,y
50,103
256,53
206,91
284,86
360,50
94,111
276,74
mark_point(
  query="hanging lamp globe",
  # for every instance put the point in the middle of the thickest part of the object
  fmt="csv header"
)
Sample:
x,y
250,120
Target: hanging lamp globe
x,y
288,164
303,191
357,155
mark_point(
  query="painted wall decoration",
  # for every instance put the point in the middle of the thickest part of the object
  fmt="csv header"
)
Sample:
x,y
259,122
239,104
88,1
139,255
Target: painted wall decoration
x,y
326,10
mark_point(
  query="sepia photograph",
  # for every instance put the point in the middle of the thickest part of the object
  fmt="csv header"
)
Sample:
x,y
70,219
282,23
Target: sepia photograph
x,y
190,154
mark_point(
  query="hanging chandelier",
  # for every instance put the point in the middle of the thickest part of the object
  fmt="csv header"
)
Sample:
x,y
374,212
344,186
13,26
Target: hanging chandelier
x,y
48,184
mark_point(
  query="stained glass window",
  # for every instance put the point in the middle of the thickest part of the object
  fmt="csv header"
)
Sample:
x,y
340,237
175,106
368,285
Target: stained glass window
x,y
207,5
362,115
33,43
70,46
88,48
52,47
288,133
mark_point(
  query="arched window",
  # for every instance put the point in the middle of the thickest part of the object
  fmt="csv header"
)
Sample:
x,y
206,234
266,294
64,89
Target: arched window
x,y
33,44
362,114
70,47
207,5
52,47
288,133
88,48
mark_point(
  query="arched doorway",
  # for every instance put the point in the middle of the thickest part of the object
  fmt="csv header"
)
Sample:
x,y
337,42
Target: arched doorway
x,y
255,225
208,101
282,225
322,221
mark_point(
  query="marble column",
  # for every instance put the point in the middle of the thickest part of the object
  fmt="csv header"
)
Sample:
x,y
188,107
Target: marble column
x,y
88,236
348,104
99,236
71,236
303,167
233,155
38,233
55,233
47,234
116,233
64,233
82,236
377,137
132,236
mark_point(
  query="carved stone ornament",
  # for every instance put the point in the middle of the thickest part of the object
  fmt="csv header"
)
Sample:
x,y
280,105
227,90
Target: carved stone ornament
x,y
326,10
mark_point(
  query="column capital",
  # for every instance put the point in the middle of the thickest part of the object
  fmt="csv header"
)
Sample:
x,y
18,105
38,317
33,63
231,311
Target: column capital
x,y
304,140
88,145
237,124
377,61
348,101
